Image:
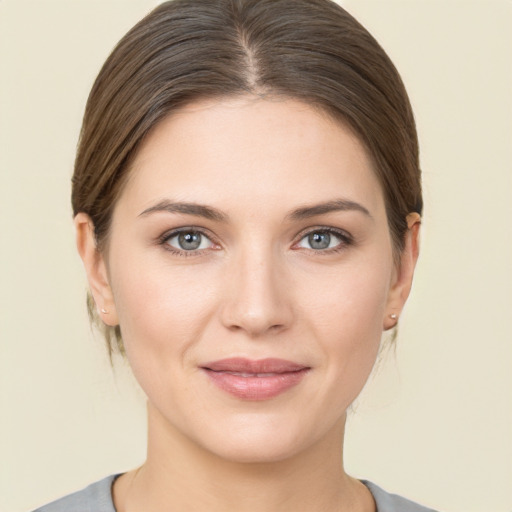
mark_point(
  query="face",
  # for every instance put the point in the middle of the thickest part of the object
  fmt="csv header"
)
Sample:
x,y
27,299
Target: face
x,y
251,270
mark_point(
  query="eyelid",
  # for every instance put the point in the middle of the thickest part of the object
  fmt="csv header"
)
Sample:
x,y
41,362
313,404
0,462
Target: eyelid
x,y
345,237
165,237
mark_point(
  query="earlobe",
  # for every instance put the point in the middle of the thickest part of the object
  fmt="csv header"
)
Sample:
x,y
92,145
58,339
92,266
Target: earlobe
x,y
402,284
95,268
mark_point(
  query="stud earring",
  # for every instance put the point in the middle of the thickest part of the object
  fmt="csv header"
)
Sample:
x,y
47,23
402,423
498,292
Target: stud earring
x,y
393,316
104,311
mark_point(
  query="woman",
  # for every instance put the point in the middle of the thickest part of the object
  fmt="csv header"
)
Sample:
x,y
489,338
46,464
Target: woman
x,y
247,204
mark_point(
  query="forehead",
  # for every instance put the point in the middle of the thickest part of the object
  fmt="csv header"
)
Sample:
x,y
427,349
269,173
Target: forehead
x,y
246,150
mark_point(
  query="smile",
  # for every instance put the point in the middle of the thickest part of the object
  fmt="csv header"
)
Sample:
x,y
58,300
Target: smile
x,y
255,380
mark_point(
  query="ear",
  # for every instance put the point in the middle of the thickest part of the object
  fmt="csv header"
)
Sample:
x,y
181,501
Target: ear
x,y
96,269
402,279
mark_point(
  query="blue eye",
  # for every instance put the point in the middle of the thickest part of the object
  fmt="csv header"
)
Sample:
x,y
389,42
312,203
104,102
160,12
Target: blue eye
x,y
189,241
321,240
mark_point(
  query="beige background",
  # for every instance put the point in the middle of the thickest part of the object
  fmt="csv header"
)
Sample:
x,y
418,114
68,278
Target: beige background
x,y
434,424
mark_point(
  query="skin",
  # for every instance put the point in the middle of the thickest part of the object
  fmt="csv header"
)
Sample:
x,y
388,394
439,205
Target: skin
x,y
255,288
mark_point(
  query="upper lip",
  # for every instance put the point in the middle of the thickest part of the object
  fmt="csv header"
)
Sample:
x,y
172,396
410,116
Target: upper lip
x,y
243,365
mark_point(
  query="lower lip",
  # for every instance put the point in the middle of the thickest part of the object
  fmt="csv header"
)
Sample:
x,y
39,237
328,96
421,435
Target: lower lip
x,y
256,388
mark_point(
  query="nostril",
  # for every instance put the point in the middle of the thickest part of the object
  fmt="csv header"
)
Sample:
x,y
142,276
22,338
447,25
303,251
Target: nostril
x,y
257,302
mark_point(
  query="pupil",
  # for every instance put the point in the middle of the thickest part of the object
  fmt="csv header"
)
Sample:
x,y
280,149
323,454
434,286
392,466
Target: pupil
x,y
189,241
319,240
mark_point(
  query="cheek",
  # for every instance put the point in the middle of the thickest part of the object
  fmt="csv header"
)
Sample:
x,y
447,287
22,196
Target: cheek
x,y
162,309
347,320
350,301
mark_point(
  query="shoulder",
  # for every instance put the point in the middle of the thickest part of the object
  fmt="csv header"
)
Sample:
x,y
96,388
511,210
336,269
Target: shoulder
x,y
387,502
97,497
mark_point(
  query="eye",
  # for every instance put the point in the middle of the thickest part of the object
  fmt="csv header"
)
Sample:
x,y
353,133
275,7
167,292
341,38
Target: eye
x,y
323,239
189,240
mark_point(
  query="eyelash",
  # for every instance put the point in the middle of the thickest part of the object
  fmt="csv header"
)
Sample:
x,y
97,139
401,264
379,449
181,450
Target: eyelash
x,y
345,238
164,239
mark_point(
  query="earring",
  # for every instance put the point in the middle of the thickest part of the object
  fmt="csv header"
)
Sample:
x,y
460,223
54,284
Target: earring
x,y
104,311
393,316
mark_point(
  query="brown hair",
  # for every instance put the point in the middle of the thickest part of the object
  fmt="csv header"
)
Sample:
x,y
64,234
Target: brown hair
x,y
311,50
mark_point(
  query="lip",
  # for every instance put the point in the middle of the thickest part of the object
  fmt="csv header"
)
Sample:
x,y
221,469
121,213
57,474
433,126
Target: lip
x,y
255,379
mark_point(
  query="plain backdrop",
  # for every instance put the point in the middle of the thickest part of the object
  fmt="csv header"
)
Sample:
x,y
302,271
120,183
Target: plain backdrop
x,y
435,422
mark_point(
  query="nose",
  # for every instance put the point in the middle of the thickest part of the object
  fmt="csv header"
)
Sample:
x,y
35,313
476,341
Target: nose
x,y
258,296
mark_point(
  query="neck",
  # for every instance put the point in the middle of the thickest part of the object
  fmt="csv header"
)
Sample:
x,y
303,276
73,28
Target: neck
x,y
180,475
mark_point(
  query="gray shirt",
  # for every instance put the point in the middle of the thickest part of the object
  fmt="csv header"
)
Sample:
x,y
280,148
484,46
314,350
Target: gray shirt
x,y
97,497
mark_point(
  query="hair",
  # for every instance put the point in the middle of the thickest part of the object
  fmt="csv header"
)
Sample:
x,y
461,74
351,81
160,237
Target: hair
x,y
185,50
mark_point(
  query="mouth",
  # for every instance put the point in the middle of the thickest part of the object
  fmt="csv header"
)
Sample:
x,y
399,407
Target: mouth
x,y
248,379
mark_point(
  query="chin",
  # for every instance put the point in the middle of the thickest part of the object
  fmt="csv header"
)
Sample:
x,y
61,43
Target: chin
x,y
262,450
260,440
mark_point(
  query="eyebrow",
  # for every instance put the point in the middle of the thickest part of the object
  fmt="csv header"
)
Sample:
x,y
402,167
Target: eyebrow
x,y
198,210
214,214
336,205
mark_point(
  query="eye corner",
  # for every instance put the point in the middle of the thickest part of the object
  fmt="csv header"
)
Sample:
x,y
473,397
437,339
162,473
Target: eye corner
x,y
188,241
320,240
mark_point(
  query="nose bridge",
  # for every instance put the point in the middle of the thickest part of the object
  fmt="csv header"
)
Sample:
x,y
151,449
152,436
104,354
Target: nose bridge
x,y
258,298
